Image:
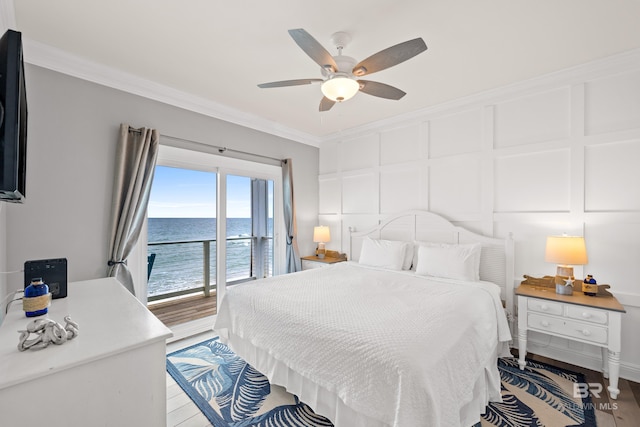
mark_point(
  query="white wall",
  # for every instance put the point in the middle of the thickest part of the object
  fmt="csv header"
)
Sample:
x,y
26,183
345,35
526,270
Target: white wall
x,y
556,154
3,258
73,129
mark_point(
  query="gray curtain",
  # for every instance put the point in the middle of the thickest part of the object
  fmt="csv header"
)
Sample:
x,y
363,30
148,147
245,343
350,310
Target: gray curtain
x,y
293,257
135,162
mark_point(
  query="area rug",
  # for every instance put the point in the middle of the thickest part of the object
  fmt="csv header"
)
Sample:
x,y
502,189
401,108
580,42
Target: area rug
x,y
231,393
540,395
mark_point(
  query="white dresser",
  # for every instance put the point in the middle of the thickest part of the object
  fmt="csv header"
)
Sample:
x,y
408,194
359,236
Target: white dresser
x,y
111,374
592,320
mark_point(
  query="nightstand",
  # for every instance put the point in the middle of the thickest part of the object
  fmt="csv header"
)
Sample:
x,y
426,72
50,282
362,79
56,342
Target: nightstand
x,y
310,262
591,320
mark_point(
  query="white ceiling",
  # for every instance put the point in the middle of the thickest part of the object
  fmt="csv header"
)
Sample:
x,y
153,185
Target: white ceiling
x,y
218,51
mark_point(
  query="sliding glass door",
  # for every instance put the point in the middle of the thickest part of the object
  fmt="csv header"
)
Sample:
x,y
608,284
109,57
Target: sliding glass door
x,y
181,232
210,225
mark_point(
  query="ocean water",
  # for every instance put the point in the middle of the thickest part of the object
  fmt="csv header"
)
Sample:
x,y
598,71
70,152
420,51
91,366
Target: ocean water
x,y
181,266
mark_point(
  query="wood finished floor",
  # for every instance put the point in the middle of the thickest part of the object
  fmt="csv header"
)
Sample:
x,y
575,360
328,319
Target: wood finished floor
x,y
623,412
182,310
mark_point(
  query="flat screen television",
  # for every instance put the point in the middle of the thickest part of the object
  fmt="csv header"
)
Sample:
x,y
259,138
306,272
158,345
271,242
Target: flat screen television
x,y
13,119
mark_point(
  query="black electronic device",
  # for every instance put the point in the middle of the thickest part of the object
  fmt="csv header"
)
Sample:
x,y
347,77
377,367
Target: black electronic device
x,y
52,271
13,119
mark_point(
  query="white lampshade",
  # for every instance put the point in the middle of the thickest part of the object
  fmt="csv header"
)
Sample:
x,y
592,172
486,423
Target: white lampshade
x,y
340,88
321,234
566,251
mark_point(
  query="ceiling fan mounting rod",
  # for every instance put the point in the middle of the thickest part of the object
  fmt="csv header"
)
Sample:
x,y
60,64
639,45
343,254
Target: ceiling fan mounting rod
x,y
340,40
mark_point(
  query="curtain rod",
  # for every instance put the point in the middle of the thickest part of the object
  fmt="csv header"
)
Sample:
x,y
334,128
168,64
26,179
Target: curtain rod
x,y
220,149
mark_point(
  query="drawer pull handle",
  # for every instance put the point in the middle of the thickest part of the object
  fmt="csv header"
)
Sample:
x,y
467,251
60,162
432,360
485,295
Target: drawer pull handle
x,y
586,315
586,332
544,307
545,323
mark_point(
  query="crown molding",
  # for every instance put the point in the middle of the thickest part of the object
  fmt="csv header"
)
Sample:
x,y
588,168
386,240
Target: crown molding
x,y
46,56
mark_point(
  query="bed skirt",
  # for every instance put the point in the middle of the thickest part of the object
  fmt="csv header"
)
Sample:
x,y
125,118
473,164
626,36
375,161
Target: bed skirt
x,y
325,402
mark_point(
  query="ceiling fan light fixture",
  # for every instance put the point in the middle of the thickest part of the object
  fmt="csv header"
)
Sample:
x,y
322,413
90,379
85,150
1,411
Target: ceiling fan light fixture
x,y
341,73
340,88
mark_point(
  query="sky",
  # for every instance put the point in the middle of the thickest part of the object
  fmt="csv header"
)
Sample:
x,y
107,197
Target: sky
x,y
184,193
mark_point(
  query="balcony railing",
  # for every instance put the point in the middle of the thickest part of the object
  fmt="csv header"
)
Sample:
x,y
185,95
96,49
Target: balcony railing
x,y
237,270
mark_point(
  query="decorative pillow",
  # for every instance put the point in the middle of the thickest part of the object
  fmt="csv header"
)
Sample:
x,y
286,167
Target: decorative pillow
x,y
388,254
449,261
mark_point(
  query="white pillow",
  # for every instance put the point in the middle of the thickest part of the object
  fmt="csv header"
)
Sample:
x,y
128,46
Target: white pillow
x,y
388,254
416,246
449,261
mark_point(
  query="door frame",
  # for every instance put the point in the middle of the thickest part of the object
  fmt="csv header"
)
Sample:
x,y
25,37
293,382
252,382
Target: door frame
x,y
222,166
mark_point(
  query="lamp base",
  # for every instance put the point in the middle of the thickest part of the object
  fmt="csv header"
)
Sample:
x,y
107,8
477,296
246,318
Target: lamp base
x,y
564,270
564,289
321,251
564,285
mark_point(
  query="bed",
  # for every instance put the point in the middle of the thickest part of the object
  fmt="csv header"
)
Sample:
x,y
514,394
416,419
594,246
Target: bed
x,y
405,334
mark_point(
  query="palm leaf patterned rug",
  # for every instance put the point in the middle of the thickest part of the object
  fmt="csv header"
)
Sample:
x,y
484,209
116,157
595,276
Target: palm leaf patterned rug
x,y
539,395
231,393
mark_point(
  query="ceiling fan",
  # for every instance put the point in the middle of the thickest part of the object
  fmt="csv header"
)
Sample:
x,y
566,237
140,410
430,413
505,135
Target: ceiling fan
x,y
341,74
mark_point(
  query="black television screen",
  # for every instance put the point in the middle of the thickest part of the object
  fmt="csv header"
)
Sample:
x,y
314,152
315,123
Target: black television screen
x,y
13,119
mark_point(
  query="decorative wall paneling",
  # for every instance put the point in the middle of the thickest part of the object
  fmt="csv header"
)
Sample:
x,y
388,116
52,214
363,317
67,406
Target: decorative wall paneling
x,y
556,154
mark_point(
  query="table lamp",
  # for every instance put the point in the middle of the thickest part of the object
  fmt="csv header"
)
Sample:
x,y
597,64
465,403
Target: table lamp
x,y
321,236
566,251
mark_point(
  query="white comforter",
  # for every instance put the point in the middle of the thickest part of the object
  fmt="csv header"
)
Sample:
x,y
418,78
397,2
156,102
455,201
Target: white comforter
x,y
403,349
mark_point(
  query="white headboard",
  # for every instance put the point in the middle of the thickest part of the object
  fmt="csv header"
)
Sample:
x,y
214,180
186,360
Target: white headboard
x,y
496,260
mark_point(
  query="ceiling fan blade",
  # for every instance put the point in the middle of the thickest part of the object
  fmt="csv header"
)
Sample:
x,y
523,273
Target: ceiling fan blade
x,y
326,104
380,90
284,83
389,57
314,49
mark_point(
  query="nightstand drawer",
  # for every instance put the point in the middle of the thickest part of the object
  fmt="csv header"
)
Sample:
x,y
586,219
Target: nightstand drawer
x,y
551,324
544,306
554,325
584,331
587,314
308,265
310,262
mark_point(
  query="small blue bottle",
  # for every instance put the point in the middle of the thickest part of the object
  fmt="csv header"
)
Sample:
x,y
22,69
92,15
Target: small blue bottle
x,y
36,289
